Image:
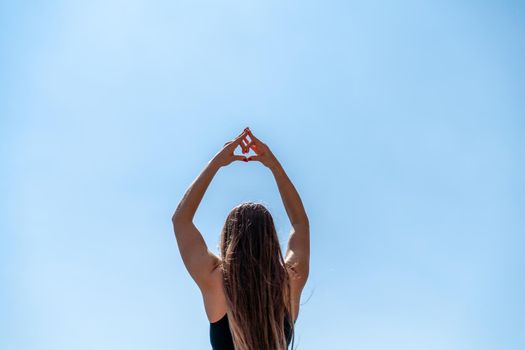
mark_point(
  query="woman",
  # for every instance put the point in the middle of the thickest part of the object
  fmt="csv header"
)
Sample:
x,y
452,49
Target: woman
x,y
251,292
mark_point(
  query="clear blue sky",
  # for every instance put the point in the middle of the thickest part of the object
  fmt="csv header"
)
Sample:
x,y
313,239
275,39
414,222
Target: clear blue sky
x,y
401,124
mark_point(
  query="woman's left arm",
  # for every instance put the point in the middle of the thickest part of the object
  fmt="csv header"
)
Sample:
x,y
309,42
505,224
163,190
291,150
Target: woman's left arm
x,y
199,261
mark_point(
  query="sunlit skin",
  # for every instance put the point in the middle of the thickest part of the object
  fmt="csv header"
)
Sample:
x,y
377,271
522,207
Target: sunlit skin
x,y
226,156
202,264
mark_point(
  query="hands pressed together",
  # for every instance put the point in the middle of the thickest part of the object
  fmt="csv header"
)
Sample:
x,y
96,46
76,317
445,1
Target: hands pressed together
x,y
262,152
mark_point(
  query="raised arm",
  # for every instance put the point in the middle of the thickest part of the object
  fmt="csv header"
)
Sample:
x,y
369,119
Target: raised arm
x,y
298,250
199,261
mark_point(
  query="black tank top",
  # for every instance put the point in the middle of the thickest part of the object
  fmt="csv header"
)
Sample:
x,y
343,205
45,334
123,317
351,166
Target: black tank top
x,y
221,337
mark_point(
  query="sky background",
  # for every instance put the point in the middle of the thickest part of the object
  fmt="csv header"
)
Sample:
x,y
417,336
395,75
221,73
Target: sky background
x,y
401,124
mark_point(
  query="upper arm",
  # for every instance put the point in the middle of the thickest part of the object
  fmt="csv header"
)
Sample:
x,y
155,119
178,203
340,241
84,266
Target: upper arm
x,y
298,254
199,261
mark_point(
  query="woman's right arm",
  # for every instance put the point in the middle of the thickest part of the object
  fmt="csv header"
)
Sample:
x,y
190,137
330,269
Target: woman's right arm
x,y
298,250
292,201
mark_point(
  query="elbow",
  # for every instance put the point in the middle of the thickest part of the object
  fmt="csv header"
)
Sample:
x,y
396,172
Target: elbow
x,y
178,219
175,220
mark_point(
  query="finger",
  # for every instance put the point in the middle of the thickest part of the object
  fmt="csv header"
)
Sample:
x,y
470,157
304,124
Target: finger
x,y
244,131
242,134
253,140
251,145
245,146
251,135
238,141
248,144
252,158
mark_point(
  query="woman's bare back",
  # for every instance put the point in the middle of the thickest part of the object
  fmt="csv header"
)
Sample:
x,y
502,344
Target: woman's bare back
x,y
214,297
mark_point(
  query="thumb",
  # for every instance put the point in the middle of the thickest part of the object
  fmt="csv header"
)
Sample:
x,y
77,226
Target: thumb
x,y
240,158
254,158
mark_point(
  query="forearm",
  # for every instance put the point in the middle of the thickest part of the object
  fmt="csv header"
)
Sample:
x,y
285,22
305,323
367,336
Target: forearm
x,y
291,199
190,202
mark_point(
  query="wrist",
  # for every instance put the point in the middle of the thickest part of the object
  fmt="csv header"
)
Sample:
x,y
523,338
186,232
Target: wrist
x,y
276,167
214,163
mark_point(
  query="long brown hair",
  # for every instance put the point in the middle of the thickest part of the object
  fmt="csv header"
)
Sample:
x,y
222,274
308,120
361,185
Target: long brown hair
x,y
255,279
